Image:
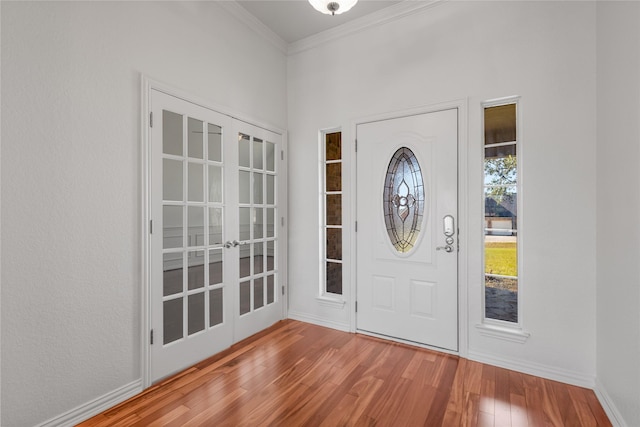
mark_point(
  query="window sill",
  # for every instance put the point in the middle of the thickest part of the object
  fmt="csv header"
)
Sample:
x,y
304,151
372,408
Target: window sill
x,y
330,302
503,333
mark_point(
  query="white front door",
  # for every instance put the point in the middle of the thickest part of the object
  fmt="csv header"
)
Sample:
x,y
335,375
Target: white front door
x,y
214,242
407,248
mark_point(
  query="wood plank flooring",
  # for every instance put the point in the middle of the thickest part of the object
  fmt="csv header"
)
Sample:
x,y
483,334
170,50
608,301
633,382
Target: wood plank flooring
x,y
297,374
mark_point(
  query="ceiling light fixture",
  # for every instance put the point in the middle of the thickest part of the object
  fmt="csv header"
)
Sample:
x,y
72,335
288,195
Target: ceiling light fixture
x,y
332,7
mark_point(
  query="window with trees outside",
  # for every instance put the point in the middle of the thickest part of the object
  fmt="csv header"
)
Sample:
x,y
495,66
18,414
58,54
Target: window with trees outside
x,y
332,213
501,211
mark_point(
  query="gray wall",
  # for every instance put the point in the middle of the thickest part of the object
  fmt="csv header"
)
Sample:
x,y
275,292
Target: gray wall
x,y
618,228
71,178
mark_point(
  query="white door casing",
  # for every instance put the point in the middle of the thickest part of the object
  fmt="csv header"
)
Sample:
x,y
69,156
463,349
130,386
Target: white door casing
x,y
194,275
411,294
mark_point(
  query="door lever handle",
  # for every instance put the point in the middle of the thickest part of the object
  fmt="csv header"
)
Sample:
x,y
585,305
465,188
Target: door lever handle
x,y
447,248
229,244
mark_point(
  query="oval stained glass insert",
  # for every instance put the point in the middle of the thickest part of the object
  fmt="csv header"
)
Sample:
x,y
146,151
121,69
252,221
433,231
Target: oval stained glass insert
x,y
403,200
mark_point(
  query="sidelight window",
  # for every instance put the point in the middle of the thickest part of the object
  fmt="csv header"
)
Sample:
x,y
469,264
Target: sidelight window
x,y
331,178
501,202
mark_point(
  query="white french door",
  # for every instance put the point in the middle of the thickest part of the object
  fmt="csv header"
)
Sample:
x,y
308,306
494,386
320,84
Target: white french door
x,y
213,243
407,228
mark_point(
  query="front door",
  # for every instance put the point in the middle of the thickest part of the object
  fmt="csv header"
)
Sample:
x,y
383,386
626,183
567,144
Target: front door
x,y
407,239
214,241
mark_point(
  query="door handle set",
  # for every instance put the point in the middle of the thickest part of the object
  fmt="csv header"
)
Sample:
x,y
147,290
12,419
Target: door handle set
x,y
448,229
229,244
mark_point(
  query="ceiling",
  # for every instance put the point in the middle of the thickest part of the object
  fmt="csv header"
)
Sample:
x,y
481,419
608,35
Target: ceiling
x,y
294,20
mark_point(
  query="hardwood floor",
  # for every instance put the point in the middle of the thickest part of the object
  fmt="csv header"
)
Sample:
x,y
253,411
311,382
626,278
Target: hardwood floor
x,y
296,374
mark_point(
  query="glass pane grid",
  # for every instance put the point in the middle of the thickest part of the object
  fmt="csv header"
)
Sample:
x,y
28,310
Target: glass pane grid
x,y
332,213
194,182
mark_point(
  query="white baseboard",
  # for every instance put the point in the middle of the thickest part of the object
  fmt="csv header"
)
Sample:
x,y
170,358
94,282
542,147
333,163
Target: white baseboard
x,y
609,407
538,370
303,317
94,407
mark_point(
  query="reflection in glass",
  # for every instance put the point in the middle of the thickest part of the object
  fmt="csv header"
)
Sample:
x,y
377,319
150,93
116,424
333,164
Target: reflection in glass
x,y
195,139
195,225
333,146
196,182
215,143
257,153
244,150
270,289
334,176
270,222
500,124
403,200
245,297
334,209
245,223
271,255
215,184
195,313
171,133
172,320
271,156
334,278
215,307
334,243
271,189
258,223
257,188
244,187
215,266
215,226
258,258
171,227
258,293
172,273
195,272
245,260
171,180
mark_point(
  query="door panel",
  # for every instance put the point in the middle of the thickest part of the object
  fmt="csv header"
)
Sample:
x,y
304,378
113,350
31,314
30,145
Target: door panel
x,y
213,249
259,303
406,186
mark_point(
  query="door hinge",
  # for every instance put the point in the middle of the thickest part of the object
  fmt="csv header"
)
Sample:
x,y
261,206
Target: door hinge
x,y
356,145
151,336
282,289
356,226
151,119
356,306
282,221
281,154
150,226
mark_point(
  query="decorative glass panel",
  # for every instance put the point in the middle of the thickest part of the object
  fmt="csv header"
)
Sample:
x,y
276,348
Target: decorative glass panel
x,y
334,176
403,200
196,313
334,146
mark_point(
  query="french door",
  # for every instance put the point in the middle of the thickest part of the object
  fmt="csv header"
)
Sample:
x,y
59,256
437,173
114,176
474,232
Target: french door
x,y
407,252
214,243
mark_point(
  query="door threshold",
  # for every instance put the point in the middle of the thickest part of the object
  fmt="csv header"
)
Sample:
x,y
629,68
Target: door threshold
x,y
408,342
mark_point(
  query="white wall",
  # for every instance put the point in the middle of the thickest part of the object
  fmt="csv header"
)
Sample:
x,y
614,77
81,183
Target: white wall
x,y
71,178
543,51
618,242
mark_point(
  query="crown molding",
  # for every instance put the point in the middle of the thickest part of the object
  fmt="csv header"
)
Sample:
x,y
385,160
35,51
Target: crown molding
x,y
255,24
380,17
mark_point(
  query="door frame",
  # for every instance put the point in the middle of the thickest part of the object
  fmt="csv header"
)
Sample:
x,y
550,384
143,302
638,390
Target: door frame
x,y
463,212
146,86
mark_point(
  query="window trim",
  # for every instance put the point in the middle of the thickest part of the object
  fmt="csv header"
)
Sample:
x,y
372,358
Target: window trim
x,y
329,298
510,331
